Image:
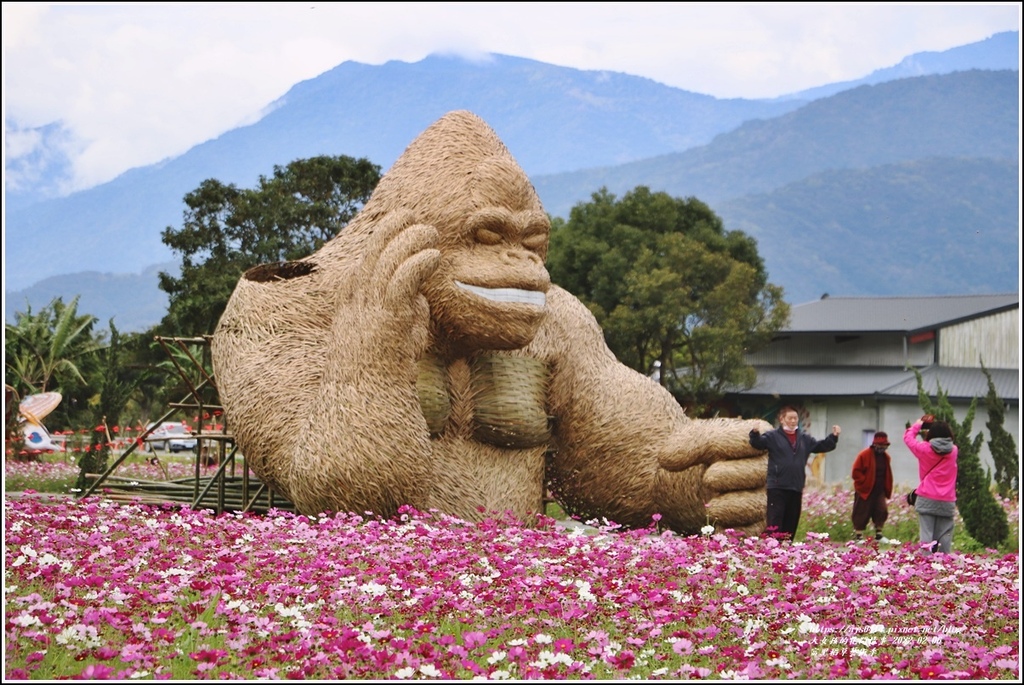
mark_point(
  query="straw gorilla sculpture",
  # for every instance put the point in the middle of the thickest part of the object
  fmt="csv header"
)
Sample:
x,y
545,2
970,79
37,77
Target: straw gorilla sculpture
x,y
423,357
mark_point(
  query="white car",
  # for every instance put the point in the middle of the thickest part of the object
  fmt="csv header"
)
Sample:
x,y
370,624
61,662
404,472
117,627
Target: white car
x,y
173,436
181,444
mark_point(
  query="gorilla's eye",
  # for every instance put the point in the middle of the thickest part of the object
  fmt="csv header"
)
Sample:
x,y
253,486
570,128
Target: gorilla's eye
x,y
486,236
536,241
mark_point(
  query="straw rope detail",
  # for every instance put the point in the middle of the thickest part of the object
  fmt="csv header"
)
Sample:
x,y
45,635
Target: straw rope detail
x,y
423,357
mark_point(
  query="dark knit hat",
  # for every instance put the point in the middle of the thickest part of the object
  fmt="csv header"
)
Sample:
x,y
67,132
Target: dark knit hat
x,y
881,439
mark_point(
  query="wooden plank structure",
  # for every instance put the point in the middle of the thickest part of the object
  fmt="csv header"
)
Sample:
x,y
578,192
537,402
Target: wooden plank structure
x,y
231,487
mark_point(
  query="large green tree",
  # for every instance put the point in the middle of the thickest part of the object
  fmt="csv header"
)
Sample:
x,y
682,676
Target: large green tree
x,y
673,290
227,230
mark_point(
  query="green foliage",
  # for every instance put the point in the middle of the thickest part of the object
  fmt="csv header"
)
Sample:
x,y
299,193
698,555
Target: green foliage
x,y
672,289
1000,443
118,380
43,350
53,349
228,230
14,440
984,518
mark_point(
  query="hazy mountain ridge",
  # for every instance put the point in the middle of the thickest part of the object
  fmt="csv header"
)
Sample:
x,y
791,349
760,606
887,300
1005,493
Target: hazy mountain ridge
x,y
999,51
971,114
936,226
117,226
552,118
133,300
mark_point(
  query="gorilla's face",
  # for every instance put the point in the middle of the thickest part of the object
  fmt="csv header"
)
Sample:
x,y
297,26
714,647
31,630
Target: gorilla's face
x,y
489,290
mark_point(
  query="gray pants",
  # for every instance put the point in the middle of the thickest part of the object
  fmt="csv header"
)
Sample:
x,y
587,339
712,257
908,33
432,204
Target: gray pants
x,y
937,530
935,520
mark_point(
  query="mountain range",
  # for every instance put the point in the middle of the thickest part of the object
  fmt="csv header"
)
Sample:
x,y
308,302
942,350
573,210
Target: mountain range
x,y
903,182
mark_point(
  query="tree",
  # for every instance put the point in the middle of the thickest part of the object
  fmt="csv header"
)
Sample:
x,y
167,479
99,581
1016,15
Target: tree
x,y
53,349
984,518
673,290
228,230
1000,442
118,381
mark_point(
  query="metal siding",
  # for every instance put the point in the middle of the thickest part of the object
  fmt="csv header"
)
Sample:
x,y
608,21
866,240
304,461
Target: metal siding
x,y
993,340
824,350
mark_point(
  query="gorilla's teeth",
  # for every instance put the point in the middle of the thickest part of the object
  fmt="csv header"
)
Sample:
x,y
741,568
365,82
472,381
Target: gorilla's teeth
x,y
506,294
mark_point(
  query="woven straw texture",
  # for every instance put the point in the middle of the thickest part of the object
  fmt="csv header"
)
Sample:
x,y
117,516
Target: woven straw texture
x,y
366,376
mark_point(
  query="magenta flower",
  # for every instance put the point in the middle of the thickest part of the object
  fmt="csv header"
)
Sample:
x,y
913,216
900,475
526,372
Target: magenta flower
x,y
474,639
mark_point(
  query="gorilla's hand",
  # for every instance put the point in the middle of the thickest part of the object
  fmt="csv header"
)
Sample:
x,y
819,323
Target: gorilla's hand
x,y
736,494
715,456
384,316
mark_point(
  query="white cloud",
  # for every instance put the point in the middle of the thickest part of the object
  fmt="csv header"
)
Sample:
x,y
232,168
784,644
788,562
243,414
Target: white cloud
x,y
139,82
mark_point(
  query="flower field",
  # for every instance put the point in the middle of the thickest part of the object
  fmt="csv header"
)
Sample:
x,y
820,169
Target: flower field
x,y
99,590
60,476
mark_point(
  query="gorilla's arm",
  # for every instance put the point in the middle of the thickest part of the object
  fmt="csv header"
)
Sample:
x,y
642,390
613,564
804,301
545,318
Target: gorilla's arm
x,y
317,373
367,445
624,448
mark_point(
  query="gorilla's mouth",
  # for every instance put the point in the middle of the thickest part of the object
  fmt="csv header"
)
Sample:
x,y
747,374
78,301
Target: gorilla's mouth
x,y
516,295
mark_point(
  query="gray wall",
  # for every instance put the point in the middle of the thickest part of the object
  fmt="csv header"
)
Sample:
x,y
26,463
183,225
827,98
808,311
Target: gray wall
x,y
859,420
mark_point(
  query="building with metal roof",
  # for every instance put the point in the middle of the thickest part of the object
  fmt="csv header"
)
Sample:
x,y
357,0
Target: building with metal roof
x,y
854,361
900,314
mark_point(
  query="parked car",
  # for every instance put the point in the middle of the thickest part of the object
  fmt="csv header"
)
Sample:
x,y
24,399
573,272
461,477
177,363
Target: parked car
x,y
181,445
173,436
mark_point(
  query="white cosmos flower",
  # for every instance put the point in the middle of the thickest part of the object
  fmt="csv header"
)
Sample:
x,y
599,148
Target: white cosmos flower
x,y
430,670
26,620
806,624
583,588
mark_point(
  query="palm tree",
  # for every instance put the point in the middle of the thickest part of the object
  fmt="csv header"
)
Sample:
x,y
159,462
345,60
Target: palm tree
x,y
42,349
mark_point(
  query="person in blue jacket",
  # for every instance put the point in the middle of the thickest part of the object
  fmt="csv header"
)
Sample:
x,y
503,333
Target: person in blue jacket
x,y
788,450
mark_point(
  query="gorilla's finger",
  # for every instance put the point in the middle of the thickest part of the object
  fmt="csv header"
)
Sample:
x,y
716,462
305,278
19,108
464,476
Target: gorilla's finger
x,y
405,244
739,508
739,474
384,232
404,286
751,529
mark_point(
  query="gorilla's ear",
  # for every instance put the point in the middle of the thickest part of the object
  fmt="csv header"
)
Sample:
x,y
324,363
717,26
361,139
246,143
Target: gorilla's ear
x,y
278,271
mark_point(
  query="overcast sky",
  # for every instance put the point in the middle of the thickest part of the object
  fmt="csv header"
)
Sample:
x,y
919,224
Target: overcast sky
x,y
134,83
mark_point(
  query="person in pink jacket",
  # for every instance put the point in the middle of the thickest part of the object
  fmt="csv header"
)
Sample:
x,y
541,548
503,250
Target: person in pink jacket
x,y
931,442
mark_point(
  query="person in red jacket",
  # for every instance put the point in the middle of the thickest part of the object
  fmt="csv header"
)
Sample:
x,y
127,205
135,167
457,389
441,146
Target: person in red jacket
x,y
872,484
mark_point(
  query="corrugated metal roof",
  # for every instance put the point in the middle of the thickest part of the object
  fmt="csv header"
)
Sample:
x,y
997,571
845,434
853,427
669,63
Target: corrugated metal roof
x,y
962,382
887,314
840,381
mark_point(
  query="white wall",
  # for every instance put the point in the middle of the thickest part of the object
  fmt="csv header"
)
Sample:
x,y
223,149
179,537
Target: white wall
x,y
854,417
